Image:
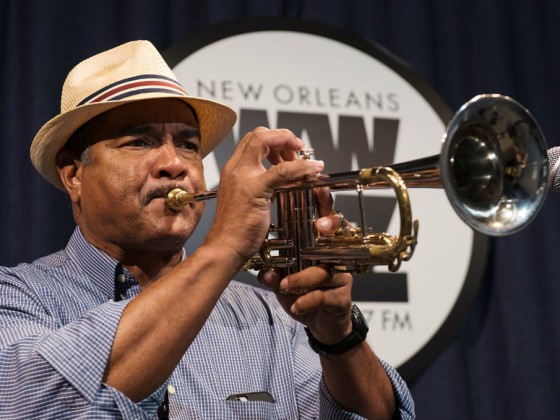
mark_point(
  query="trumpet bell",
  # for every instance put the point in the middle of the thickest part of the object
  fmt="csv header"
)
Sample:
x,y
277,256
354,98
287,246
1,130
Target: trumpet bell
x,y
494,165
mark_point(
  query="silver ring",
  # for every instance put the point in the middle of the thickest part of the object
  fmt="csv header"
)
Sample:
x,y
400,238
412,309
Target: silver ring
x,y
341,222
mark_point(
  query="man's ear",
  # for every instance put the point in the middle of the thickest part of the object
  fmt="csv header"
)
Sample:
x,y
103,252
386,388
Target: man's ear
x,y
69,168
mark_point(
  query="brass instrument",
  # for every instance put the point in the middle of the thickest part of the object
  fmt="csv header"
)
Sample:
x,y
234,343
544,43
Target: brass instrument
x,y
493,166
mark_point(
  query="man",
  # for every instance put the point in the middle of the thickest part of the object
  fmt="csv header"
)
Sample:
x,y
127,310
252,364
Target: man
x,y
121,324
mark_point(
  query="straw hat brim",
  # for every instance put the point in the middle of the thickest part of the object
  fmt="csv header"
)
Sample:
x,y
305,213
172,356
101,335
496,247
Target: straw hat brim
x,y
215,120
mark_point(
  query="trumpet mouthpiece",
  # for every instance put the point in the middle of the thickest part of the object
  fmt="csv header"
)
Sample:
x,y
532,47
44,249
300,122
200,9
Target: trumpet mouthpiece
x,y
177,199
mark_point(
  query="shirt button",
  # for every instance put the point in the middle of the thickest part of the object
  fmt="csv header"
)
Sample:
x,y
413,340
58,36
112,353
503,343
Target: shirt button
x,y
171,389
121,278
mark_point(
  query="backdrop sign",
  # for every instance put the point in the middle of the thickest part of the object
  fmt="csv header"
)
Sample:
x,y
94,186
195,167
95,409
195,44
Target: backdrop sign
x,y
356,106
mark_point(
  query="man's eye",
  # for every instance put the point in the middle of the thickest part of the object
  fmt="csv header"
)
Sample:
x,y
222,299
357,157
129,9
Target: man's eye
x,y
187,145
139,143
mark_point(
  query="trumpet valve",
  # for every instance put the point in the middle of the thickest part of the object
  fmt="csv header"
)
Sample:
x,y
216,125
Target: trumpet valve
x,y
306,153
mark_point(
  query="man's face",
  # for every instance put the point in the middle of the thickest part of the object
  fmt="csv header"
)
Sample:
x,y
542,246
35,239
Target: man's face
x,y
139,152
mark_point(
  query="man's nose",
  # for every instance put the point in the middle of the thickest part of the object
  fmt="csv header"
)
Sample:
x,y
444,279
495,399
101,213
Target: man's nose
x,y
168,163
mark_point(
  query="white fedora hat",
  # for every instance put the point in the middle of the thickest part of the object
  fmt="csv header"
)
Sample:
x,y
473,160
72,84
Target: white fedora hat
x,y
134,71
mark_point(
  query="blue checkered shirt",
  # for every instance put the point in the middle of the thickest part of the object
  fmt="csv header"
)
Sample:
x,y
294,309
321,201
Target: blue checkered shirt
x,y
58,317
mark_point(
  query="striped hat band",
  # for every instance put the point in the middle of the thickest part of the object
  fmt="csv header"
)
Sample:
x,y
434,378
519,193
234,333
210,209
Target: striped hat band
x,y
125,88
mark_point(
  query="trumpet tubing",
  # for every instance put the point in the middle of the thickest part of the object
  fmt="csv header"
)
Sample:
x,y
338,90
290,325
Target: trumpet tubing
x,y
493,167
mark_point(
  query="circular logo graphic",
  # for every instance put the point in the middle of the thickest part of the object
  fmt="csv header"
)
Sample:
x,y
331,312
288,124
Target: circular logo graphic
x,y
356,106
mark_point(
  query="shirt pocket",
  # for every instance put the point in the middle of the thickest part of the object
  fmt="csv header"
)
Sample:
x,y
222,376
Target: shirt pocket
x,y
255,410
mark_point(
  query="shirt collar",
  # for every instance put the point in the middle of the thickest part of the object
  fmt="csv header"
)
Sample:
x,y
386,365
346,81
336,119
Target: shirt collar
x,y
100,268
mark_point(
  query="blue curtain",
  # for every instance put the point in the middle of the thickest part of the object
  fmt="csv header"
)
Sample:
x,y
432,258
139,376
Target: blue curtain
x,y
504,361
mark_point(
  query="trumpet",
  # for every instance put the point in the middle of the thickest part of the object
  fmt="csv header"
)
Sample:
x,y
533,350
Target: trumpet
x,y
493,167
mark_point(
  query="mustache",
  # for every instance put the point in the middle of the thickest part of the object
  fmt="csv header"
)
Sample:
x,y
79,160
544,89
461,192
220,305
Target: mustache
x,y
160,191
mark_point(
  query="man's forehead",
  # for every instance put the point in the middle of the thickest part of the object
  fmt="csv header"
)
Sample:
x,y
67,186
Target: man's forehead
x,y
150,112
180,128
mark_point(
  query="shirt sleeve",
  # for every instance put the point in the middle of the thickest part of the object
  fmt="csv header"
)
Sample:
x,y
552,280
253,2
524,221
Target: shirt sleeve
x,y
53,371
330,409
328,406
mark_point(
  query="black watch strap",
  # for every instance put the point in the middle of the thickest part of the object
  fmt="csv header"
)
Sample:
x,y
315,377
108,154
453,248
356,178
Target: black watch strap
x,y
356,336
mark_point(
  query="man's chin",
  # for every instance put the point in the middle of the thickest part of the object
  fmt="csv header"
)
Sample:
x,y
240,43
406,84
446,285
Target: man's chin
x,y
168,226
171,242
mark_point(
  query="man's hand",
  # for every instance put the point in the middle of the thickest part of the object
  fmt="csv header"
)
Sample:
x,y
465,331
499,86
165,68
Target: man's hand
x,y
246,188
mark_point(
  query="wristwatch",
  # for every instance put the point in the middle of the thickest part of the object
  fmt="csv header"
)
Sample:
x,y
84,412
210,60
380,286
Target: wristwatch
x,y
356,336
